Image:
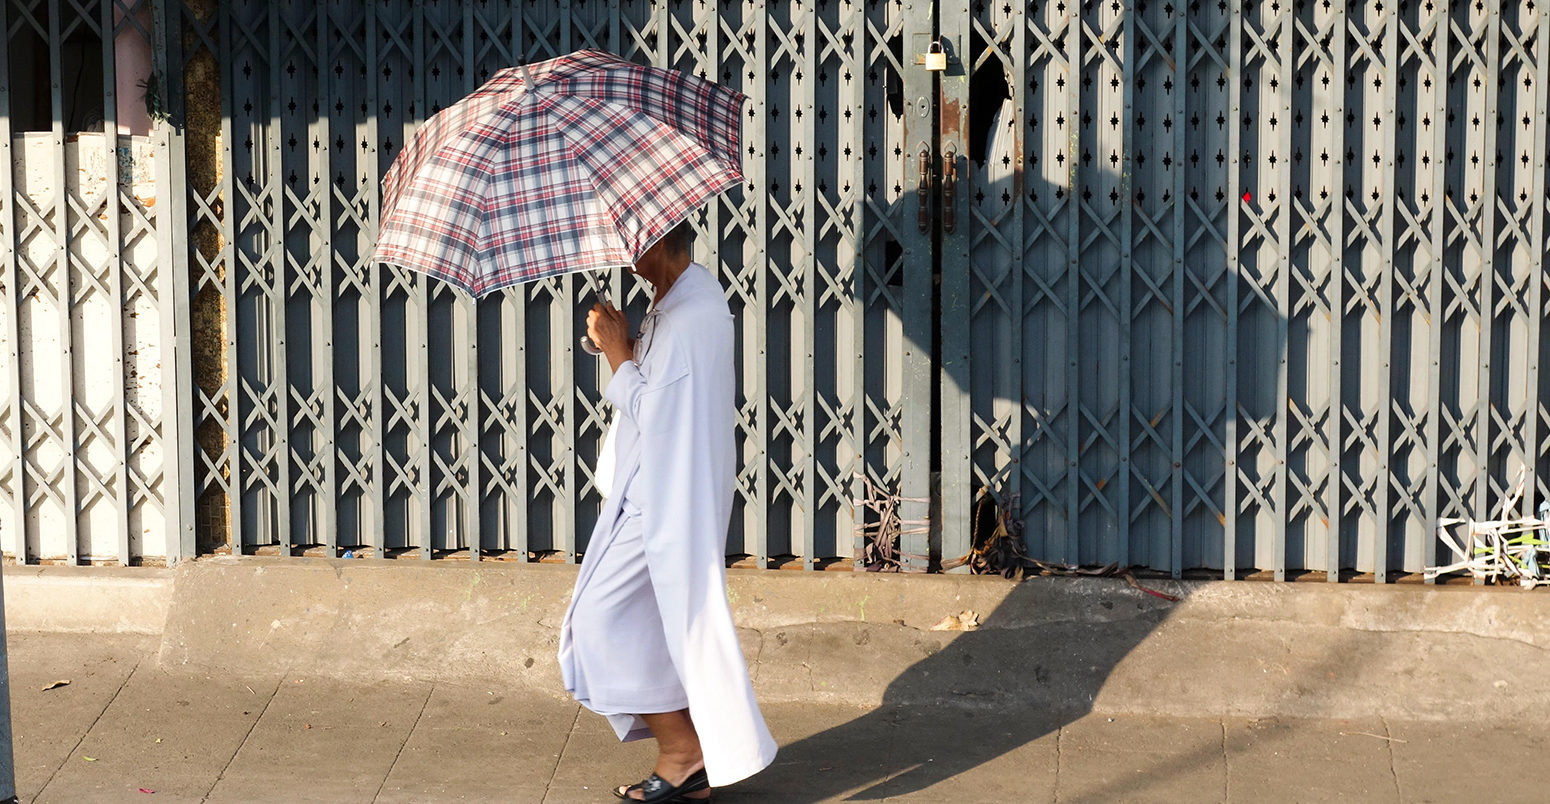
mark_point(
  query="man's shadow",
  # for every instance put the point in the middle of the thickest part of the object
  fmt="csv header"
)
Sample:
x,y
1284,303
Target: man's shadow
x,y
977,700
1035,664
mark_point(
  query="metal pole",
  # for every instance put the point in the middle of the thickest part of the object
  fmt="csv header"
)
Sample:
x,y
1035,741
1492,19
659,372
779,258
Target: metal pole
x,y
7,760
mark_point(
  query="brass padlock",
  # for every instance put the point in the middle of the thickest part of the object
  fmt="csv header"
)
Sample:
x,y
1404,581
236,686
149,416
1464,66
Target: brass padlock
x,y
935,58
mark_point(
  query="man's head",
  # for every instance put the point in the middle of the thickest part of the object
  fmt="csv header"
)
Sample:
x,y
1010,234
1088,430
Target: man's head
x,y
680,239
669,255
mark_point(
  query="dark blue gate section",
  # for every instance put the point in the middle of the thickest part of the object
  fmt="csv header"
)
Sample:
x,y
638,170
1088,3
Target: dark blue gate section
x,y
1200,285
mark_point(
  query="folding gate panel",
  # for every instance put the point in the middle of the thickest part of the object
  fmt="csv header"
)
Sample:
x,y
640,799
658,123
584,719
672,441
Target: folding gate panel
x,y
358,406
1253,286
91,440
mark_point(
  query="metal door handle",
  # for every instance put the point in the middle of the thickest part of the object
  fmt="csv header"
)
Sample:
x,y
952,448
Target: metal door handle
x,y
949,189
925,187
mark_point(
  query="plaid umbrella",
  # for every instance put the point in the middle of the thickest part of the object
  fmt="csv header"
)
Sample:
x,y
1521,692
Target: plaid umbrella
x,y
571,164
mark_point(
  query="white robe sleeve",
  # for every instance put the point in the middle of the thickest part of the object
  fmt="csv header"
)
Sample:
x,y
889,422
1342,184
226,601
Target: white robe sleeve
x,y
629,388
630,391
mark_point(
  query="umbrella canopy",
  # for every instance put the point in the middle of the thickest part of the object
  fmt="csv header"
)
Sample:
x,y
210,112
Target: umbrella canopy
x,y
572,164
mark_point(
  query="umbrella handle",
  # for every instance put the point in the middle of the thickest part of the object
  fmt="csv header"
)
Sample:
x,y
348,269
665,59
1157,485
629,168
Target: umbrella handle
x,y
586,342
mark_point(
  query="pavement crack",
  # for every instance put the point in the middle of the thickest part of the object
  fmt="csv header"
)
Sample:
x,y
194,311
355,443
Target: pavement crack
x,y
407,737
87,732
1393,770
1059,736
1456,632
758,655
549,782
245,737
1226,772
1528,643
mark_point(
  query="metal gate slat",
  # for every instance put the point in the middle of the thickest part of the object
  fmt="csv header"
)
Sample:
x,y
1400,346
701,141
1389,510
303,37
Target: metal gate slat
x,y
1385,303
1234,272
1540,134
63,301
1073,478
116,266
1338,64
1181,60
15,413
1440,26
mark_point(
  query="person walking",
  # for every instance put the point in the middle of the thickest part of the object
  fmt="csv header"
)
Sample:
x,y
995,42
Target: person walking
x,y
648,640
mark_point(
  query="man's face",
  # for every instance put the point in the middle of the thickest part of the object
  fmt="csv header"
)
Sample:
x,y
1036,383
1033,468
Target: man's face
x,y
657,259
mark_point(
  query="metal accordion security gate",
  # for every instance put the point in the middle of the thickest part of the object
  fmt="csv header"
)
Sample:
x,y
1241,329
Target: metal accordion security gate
x,y
93,454
355,406
1238,287
1262,286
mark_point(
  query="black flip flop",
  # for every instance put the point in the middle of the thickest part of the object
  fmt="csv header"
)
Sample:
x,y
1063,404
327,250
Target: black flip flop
x,y
656,790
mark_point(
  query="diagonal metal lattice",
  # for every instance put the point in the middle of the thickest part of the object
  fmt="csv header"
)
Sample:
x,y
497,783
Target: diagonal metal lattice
x,y
91,463
1246,286
368,409
1279,294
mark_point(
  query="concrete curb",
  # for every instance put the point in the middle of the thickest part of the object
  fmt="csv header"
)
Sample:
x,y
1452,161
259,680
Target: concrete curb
x,y
1249,649
1066,645
110,600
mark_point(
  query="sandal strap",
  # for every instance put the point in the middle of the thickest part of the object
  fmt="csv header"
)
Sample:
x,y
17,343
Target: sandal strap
x,y
656,790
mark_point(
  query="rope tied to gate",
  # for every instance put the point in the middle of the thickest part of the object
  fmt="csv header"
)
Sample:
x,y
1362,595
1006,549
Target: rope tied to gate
x,y
879,535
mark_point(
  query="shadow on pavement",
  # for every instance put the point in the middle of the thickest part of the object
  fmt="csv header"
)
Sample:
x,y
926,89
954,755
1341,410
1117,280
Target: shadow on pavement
x,y
988,706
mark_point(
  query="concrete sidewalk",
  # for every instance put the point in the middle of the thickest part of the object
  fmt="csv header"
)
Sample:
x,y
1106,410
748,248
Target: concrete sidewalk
x,y
123,723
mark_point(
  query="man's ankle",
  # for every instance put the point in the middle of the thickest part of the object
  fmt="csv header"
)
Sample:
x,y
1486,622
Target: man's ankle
x,y
684,759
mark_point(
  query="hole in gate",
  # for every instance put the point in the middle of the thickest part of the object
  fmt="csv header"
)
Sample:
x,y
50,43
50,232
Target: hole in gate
x,y
894,86
988,88
80,79
80,53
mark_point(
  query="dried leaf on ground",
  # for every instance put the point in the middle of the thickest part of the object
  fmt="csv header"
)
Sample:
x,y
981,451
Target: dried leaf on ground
x,y
962,621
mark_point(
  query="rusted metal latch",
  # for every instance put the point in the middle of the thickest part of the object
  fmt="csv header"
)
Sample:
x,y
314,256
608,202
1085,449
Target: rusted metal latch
x,y
925,187
949,188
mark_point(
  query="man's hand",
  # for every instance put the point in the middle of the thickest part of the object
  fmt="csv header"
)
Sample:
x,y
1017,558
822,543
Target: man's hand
x,y
610,331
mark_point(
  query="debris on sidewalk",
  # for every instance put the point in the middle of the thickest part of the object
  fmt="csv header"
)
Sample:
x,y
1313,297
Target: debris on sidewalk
x,y
967,620
1499,550
996,548
1130,578
1370,734
995,542
64,682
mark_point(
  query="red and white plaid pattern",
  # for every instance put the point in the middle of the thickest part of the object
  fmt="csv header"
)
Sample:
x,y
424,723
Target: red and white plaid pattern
x,y
572,164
